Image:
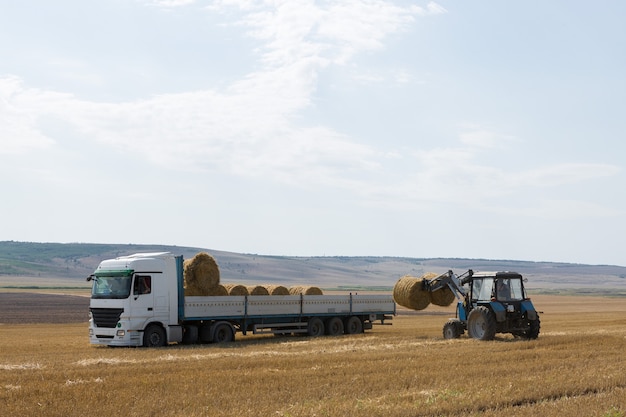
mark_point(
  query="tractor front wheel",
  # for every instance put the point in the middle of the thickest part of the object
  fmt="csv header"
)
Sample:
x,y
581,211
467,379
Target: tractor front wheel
x,y
453,329
481,324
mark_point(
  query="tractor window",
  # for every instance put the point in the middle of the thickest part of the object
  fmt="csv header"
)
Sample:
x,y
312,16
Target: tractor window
x,y
509,289
481,289
516,289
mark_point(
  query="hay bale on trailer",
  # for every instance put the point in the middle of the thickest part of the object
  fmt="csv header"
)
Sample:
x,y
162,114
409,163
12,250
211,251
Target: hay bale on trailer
x,y
304,290
257,290
217,290
409,292
276,289
193,291
201,272
204,292
236,289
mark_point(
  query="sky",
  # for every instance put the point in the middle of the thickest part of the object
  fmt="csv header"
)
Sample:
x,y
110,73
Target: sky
x,y
483,129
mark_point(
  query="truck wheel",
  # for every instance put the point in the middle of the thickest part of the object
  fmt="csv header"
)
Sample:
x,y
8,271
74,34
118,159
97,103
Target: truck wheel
x,y
154,336
315,327
481,324
334,326
354,325
452,329
223,333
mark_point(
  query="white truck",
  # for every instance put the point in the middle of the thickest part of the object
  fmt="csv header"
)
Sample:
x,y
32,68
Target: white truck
x,y
138,300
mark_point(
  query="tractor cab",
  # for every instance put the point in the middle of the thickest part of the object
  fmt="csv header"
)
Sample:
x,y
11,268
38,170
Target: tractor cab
x,y
504,287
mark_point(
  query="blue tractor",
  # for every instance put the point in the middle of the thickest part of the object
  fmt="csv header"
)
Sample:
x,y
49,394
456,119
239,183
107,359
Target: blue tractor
x,y
488,303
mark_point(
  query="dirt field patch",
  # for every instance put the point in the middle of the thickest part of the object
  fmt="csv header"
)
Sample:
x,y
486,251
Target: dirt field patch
x,y
22,308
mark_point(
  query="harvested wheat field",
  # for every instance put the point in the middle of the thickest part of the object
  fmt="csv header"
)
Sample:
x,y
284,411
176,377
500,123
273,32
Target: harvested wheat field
x,y
576,367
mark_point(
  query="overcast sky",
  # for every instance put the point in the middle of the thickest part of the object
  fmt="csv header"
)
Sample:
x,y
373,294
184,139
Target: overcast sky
x,y
472,129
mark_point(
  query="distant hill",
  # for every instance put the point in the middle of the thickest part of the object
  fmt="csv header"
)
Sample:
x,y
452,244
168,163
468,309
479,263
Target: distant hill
x,y
72,262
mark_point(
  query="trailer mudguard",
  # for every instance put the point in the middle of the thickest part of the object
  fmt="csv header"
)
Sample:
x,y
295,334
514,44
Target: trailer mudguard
x,y
528,308
499,310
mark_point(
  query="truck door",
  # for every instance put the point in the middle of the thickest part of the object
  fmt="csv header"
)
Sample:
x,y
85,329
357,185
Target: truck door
x,y
142,299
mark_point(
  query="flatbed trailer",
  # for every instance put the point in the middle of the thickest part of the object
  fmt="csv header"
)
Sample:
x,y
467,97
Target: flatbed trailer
x,y
148,308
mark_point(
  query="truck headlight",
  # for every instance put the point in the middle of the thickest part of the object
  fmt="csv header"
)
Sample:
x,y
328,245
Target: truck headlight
x,y
120,333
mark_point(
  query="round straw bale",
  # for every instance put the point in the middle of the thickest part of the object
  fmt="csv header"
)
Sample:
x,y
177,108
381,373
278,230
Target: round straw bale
x,y
313,291
257,290
193,291
443,296
299,289
201,271
236,289
409,292
296,290
276,289
218,290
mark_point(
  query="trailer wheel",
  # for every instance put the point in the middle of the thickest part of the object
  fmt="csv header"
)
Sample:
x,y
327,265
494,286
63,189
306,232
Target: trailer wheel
x,y
334,326
315,327
223,333
154,336
452,329
481,324
354,325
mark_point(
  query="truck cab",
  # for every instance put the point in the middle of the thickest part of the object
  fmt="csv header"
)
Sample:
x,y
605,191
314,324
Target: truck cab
x,y
134,297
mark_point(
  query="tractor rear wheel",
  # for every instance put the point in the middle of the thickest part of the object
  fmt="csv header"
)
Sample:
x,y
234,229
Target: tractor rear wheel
x,y
481,324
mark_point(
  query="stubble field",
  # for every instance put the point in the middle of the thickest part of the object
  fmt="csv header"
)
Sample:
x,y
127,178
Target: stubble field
x,y
576,367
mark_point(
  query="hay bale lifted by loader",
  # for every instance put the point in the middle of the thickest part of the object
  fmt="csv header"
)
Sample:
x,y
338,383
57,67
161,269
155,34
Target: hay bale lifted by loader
x,y
488,303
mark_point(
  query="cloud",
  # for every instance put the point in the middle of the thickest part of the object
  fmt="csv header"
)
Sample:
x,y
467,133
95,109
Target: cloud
x,y
17,127
251,128
248,127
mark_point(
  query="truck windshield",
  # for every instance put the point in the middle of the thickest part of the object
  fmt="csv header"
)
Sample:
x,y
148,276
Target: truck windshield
x,y
111,286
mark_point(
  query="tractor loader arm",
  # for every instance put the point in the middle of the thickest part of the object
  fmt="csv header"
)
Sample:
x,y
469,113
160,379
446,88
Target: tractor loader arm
x,y
452,281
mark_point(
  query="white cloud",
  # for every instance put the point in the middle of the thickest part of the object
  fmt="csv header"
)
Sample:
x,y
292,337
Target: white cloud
x,y
250,128
435,8
18,128
247,128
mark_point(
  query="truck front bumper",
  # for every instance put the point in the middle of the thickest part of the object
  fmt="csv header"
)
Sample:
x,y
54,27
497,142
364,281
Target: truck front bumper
x,y
118,336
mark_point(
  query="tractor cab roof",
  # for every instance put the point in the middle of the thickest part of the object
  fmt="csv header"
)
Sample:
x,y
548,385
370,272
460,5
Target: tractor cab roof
x,y
501,274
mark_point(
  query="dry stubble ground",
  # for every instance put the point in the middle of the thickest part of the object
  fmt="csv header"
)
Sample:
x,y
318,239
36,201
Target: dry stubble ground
x,y
576,367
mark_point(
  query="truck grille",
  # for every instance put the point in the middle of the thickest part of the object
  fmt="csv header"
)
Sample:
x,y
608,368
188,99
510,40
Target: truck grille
x,y
106,317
